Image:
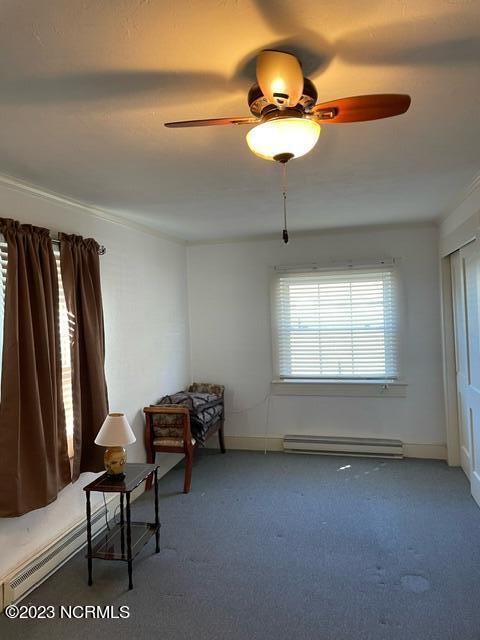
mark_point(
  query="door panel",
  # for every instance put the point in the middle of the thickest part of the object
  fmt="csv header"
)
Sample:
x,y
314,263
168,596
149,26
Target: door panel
x,y
475,461
471,262
464,432
461,358
466,298
459,313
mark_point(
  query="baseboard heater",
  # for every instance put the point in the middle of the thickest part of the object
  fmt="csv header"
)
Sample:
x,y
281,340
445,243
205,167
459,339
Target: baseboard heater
x,y
331,445
18,585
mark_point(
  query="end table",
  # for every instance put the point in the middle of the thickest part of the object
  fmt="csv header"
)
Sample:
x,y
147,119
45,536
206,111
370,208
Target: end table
x,y
125,540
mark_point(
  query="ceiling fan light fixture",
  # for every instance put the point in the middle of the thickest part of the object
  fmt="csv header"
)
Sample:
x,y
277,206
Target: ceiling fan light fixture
x,y
280,137
280,77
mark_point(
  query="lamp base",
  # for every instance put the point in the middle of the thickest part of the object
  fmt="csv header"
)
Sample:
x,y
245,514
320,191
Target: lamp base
x,y
115,459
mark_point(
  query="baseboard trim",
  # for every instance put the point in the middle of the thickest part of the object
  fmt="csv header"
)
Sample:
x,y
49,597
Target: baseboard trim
x,y
432,451
250,443
59,551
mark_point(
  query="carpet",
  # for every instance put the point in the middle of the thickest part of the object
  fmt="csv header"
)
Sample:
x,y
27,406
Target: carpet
x,y
288,547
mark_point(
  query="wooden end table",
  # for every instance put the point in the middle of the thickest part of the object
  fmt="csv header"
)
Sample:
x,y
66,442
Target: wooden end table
x,y
125,540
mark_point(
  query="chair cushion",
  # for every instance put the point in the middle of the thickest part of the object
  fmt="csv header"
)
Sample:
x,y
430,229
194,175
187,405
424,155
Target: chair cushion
x,y
170,442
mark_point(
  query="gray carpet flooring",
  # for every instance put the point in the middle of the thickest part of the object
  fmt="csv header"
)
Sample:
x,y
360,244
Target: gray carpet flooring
x,y
287,547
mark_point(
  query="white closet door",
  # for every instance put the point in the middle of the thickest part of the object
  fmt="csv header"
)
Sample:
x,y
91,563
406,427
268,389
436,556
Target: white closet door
x,y
461,358
466,293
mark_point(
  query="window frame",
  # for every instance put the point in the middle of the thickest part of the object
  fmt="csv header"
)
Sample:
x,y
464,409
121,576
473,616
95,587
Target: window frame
x,y
339,386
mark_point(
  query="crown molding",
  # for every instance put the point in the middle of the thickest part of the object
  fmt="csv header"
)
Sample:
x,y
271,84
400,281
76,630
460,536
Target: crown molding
x,y
35,191
15,184
464,195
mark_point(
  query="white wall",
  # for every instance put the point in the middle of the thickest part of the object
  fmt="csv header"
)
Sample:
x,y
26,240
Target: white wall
x,y
147,344
231,338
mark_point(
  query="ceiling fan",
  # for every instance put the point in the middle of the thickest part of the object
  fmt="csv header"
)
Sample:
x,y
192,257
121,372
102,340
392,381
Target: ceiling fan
x,y
283,106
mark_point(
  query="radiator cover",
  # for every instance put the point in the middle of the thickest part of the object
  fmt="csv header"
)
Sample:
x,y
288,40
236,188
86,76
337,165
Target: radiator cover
x,y
29,576
334,445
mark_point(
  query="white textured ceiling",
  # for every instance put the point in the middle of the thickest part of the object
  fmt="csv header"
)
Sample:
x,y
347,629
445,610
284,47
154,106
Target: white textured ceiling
x,y
85,87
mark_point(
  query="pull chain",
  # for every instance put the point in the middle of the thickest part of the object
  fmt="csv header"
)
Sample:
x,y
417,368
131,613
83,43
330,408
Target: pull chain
x,y
284,186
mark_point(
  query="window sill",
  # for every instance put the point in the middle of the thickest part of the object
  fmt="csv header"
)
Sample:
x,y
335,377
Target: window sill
x,y
342,388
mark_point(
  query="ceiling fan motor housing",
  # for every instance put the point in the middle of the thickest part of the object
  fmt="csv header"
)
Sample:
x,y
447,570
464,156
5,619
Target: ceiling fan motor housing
x,y
260,106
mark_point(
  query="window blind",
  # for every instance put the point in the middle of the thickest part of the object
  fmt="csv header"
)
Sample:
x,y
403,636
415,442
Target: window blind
x,y
338,324
66,326
3,280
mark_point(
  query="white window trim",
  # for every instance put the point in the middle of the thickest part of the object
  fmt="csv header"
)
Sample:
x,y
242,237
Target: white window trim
x,y
340,388
395,388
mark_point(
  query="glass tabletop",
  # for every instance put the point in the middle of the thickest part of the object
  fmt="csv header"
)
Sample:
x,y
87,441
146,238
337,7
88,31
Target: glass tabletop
x,y
135,474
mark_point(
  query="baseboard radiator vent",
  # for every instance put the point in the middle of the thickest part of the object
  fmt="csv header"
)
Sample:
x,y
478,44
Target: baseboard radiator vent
x,y
331,445
18,585
25,578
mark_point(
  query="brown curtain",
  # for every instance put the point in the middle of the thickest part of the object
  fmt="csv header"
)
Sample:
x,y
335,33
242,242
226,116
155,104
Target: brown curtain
x,y
34,463
80,266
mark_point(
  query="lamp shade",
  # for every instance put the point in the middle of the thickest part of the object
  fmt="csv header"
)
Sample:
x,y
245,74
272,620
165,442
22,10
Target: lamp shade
x,y
115,431
292,136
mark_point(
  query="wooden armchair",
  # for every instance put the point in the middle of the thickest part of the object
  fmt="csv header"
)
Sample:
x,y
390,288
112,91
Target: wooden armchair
x,y
168,429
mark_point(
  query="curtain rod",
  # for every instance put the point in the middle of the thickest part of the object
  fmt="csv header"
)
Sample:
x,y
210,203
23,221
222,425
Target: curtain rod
x,y
101,249
335,264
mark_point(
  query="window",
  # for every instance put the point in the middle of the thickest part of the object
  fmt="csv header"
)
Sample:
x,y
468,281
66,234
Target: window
x,y
336,325
66,328
3,281
66,332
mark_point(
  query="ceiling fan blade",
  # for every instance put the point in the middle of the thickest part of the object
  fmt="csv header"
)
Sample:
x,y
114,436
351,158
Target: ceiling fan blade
x,y
136,86
211,122
420,42
281,17
280,77
362,108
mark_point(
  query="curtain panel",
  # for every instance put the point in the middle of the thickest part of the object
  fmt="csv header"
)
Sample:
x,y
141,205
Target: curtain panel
x,y
80,266
34,464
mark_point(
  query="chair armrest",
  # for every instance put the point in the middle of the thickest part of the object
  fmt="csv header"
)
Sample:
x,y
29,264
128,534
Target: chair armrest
x,y
174,409
167,408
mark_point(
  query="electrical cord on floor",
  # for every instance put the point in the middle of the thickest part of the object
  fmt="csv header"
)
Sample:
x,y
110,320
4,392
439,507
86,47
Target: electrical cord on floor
x,y
115,514
106,510
267,420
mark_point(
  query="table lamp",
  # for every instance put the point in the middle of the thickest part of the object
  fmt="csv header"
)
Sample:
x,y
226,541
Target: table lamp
x,y
114,434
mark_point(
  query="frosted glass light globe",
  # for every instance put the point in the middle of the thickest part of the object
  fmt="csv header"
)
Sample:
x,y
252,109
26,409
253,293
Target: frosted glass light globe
x,y
295,136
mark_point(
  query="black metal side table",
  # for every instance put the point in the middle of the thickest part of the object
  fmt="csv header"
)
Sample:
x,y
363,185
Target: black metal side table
x,y
125,540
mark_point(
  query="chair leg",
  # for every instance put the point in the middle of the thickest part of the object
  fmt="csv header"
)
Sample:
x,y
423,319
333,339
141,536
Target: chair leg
x,y
150,460
188,470
221,439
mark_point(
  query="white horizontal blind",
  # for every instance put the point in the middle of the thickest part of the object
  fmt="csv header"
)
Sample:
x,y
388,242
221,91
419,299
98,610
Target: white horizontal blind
x,y
338,324
66,325
3,280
